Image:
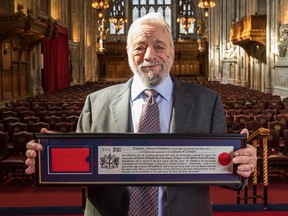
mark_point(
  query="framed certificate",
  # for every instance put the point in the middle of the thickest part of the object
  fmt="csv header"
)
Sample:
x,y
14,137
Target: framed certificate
x,y
138,159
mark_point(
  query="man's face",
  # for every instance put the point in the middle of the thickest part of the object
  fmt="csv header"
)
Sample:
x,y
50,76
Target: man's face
x,y
151,55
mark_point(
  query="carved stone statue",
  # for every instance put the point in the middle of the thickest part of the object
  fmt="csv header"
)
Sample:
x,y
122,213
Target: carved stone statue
x,y
104,33
230,51
201,29
283,44
103,30
20,8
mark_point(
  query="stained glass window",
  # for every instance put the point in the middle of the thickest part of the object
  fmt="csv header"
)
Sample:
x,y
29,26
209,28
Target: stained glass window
x,y
142,7
119,5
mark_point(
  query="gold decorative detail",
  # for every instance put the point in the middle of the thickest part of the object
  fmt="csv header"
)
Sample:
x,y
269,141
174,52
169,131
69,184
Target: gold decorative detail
x,y
250,29
206,4
100,4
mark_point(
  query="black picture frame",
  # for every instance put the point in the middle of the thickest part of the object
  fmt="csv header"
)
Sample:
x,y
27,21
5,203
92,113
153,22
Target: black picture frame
x,y
138,159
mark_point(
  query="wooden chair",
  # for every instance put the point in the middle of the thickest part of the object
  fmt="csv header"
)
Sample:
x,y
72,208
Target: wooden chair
x,y
9,120
232,112
282,118
25,113
232,127
252,126
72,109
3,145
263,119
283,111
54,108
250,112
277,160
29,120
63,114
262,104
23,104
78,112
52,120
285,137
36,127
4,109
241,119
275,108
241,108
270,113
9,114
15,163
20,109
36,104
257,108
15,128
279,126
63,127
38,111
273,140
74,120
44,114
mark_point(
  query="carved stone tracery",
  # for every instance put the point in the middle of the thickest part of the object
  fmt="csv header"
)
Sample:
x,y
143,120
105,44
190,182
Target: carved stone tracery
x,y
283,42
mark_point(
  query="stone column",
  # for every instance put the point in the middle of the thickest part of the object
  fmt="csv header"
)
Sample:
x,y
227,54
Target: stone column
x,y
229,64
270,32
229,75
36,67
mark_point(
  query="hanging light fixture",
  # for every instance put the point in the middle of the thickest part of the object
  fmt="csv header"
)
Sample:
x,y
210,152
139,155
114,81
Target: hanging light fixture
x,y
206,4
186,17
117,15
100,4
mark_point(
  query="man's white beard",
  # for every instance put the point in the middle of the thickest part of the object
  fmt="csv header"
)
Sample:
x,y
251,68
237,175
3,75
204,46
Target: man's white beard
x,y
146,80
150,81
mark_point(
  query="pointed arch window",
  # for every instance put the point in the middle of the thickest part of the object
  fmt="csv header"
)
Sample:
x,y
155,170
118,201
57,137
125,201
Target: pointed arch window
x,y
142,7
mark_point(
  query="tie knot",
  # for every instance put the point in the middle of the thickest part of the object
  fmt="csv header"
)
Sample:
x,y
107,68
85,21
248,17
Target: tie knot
x,y
151,93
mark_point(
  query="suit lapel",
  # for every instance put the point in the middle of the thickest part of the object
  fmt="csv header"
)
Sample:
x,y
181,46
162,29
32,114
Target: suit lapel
x,y
183,105
121,110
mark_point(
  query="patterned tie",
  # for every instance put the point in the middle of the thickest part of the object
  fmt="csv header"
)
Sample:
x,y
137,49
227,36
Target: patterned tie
x,y
149,119
144,200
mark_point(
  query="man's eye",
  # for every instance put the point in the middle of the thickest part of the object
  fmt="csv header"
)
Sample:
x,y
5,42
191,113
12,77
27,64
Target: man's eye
x,y
140,49
160,48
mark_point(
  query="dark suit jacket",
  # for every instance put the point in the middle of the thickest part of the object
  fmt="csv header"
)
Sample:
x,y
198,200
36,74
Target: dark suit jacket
x,y
196,109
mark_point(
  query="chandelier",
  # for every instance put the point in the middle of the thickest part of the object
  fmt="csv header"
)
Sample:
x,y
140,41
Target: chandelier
x,y
186,17
206,4
117,15
100,4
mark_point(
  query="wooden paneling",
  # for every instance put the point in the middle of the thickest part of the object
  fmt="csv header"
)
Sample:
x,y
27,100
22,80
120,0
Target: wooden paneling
x,y
189,62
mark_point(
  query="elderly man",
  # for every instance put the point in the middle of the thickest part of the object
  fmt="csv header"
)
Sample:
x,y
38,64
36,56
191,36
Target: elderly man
x,y
181,108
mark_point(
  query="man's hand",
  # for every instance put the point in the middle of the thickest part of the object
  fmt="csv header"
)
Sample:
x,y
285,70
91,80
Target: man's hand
x,y
246,158
31,153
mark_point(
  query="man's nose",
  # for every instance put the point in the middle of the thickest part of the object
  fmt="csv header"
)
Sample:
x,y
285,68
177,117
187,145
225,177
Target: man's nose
x,y
150,54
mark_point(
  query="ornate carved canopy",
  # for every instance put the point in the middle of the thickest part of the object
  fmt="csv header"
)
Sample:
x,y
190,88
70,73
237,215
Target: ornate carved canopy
x,y
30,31
250,34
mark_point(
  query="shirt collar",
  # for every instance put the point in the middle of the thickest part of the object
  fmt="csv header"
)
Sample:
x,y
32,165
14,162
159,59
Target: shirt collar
x,y
164,88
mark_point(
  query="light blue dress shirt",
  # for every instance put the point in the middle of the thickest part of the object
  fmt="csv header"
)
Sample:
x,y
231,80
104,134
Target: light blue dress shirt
x,y
165,103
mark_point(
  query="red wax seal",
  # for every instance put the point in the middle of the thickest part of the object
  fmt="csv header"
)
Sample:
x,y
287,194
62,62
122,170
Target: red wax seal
x,y
224,158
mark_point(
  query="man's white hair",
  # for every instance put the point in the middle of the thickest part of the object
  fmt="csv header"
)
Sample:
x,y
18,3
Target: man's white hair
x,y
152,17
